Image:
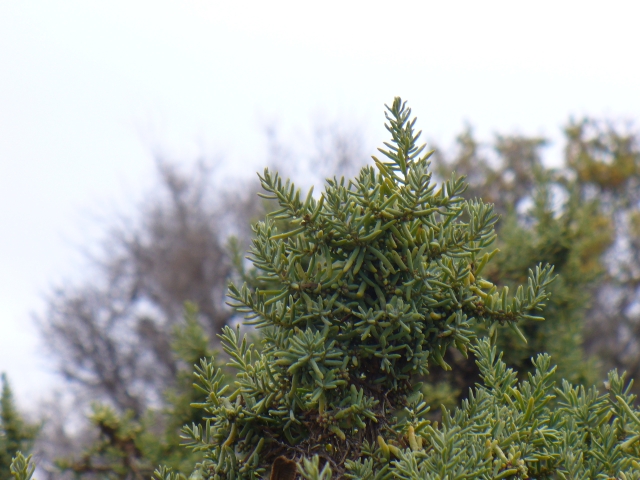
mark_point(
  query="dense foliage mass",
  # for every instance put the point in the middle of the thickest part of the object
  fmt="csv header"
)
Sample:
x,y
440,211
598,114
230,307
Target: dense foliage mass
x,y
580,216
370,286
371,289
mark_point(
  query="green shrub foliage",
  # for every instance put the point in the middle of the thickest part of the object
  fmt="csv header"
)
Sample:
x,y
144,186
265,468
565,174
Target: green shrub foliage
x,y
22,468
367,289
546,217
360,294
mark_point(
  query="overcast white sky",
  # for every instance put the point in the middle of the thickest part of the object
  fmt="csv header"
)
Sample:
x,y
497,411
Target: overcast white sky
x,y
87,88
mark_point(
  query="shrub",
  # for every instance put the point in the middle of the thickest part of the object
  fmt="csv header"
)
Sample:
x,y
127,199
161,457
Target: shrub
x,y
361,295
368,288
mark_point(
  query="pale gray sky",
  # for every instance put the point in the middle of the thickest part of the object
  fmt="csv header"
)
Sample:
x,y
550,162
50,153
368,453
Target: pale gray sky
x,y
87,88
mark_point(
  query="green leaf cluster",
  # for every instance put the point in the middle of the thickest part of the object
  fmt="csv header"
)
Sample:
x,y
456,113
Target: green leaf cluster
x,y
548,215
367,289
22,468
573,240
506,429
361,296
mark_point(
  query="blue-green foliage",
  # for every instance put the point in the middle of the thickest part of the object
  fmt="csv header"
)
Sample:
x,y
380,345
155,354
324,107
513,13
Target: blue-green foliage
x,y
363,292
531,429
368,288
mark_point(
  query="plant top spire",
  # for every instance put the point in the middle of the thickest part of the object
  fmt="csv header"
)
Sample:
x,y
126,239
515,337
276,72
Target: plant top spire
x,y
364,289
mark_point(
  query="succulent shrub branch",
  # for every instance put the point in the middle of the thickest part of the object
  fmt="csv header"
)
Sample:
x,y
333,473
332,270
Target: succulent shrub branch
x,y
362,291
368,286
